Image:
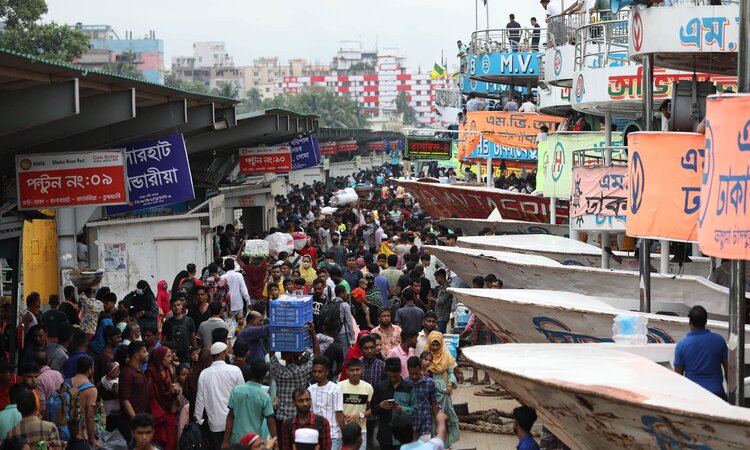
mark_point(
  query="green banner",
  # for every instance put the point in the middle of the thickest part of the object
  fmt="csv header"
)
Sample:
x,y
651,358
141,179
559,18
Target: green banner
x,y
557,165
541,171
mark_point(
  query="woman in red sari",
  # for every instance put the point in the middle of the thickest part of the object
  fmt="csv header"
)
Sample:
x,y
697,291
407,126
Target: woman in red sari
x,y
163,393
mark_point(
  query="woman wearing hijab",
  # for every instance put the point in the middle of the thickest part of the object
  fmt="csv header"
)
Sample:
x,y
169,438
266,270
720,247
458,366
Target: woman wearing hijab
x,y
441,368
307,271
163,394
143,304
162,301
355,352
374,297
98,342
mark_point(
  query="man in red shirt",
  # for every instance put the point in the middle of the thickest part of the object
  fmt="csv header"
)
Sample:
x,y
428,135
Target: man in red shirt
x,y
256,276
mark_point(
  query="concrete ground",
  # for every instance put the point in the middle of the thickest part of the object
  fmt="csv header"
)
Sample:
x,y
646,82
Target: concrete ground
x,y
482,441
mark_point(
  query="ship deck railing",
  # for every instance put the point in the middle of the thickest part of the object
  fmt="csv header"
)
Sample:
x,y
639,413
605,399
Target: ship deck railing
x,y
594,157
602,44
508,40
561,29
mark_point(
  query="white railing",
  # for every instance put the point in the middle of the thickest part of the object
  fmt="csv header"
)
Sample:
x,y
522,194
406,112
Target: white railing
x,y
594,157
602,44
669,3
504,40
562,28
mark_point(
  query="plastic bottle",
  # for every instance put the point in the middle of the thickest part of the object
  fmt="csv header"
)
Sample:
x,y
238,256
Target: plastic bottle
x,y
630,329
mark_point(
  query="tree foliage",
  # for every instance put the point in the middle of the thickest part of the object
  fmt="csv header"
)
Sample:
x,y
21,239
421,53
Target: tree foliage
x,y
193,86
333,110
226,89
26,34
253,102
125,66
408,115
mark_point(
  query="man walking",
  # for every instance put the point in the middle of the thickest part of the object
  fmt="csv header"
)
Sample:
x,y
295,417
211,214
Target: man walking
x,y
205,329
701,355
238,294
304,419
514,33
391,397
357,397
133,387
215,384
249,405
388,332
327,399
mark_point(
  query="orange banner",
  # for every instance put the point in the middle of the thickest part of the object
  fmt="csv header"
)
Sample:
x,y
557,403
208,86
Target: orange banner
x,y
511,129
467,141
664,185
599,190
724,221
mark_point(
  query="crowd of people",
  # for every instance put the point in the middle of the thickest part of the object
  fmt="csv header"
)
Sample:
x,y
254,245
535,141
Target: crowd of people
x,y
190,362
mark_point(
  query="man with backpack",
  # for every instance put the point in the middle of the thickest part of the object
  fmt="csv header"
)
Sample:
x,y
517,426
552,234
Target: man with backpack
x,y
32,430
85,435
180,329
340,314
188,283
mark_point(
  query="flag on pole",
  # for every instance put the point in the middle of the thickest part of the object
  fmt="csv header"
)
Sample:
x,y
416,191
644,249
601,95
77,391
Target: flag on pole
x,y
438,71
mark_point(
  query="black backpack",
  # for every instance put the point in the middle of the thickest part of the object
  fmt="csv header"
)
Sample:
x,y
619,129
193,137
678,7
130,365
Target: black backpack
x,y
192,438
331,313
186,288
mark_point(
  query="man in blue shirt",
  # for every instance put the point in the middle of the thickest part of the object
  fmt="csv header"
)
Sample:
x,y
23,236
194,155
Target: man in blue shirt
x,y
701,355
523,419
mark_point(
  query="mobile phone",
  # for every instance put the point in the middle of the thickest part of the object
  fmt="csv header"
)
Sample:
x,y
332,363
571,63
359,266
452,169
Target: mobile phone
x,y
390,400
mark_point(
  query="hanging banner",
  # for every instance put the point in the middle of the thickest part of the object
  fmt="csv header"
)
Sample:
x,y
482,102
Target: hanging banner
x,y
431,149
327,148
346,146
488,149
158,174
599,191
664,185
73,179
541,172
389,145
559,168
265,160
216,211
468,138
511,129
375,146
724,224
305,151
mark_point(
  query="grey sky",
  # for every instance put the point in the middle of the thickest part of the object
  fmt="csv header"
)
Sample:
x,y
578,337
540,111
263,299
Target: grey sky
x,y
312,29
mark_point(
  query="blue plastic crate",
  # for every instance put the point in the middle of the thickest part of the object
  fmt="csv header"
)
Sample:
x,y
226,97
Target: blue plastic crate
x,y
290,339
291,311
462,316
451,342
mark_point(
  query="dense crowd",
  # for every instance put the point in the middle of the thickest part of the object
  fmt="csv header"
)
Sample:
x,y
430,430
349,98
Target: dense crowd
x,y
190,363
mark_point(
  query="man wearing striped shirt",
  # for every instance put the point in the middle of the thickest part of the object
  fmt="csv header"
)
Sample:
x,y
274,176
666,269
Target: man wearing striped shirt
x,y
327,399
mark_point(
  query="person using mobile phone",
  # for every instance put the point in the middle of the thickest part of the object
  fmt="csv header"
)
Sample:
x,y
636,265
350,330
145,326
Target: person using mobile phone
x,y
391,397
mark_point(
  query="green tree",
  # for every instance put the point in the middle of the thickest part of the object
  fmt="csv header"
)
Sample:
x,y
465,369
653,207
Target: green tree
x,y
126,65
333,110
25,33
408,115
195,86
253,102
226,89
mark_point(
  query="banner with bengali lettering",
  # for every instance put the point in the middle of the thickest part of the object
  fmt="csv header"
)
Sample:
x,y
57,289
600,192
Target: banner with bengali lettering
x,y
158,174
468,138
664,184
346,146
327,148
511,129
376,146
430,149
557,163
265,160
724,223
305,151
599,191
71,179
488,149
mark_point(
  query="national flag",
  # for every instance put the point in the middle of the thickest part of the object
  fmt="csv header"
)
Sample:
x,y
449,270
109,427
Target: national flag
x,y
438,71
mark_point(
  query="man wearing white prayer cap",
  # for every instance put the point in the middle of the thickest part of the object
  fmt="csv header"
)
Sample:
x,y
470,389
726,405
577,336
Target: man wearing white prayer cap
x,y
306,439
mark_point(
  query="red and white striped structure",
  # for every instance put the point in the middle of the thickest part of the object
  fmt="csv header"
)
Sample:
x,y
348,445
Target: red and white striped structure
x,y
376,92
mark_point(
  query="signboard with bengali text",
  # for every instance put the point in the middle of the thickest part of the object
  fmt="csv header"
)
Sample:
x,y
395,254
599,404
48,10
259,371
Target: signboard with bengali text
x,y
431,149
265,160
327,148
599,191
72,179
346,146
659,206
723,220
158,174
305,151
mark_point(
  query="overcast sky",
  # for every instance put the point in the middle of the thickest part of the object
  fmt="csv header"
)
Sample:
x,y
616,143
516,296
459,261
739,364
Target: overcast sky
x,y
312,29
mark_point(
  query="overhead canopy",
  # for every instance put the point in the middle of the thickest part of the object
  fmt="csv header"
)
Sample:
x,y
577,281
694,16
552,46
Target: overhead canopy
x,y
51,107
